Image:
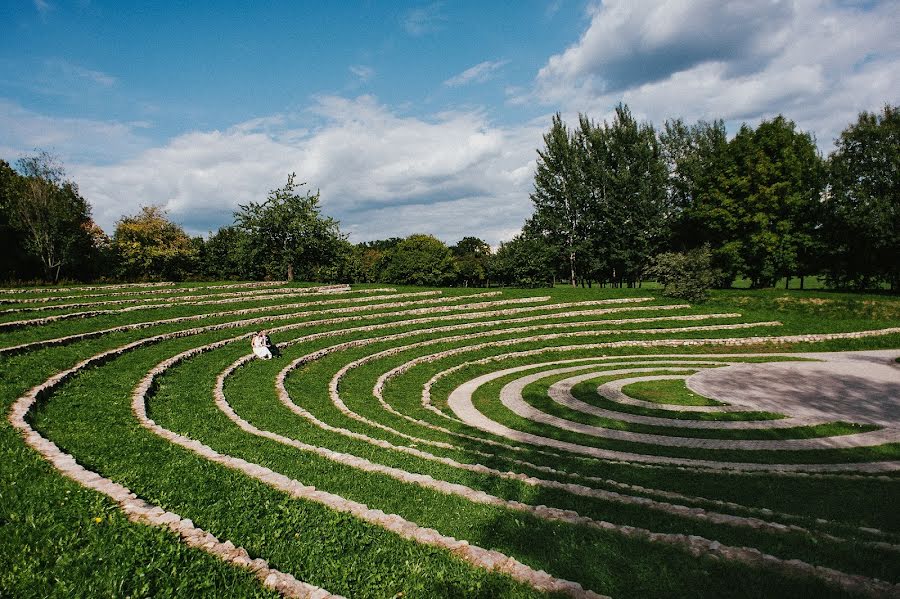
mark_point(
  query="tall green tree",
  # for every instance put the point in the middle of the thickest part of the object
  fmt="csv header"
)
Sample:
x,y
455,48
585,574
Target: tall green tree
x,y
862,204
697,160
222,258
626,206
14,262
559,195
150,246
52,216
287,236
775,181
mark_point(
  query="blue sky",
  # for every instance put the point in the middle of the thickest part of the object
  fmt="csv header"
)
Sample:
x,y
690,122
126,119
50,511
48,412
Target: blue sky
x,y
410,117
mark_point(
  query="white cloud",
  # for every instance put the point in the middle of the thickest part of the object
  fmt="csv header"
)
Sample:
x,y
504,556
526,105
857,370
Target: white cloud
x,y
70,71
817,62
87,139
424,19
362,72
479,73
380,174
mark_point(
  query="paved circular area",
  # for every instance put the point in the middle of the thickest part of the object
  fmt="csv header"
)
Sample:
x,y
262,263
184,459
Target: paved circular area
x,y
862,387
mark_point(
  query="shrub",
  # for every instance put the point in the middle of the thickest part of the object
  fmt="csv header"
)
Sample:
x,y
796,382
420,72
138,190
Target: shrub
x,y
685,275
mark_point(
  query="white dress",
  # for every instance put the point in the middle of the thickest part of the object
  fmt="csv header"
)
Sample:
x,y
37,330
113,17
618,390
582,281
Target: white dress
x,y
260,349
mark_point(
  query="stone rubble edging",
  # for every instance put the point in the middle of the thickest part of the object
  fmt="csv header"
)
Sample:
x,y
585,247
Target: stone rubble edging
x,y
734,341
674,509
747,555
171,335
138,510
695,545
512,399
484,558
155,291
11,290
89,313
190,299
561,392
23,347
377,390
612,391
333,387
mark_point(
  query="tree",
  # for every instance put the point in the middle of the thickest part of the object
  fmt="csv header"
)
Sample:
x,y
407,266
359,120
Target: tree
x,y
150,246
862,203
472,257
419,260
626,203
223,258
776,179
697,159
14,262
559,194
54,219
525,261
287,235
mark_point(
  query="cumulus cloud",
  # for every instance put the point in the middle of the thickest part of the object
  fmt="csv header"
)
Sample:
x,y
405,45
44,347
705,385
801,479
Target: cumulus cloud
x,y
380,174
479,73
818,62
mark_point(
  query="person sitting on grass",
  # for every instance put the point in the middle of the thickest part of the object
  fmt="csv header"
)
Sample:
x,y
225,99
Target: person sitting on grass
x,y
260,347
273,349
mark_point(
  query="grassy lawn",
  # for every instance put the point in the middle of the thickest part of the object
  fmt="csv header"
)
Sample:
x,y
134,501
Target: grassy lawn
x,y
357,428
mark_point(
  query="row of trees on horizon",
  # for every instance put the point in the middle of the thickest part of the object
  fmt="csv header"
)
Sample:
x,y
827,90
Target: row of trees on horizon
x,y
609,198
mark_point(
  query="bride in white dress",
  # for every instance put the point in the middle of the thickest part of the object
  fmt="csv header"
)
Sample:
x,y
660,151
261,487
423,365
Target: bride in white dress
x,y
260,348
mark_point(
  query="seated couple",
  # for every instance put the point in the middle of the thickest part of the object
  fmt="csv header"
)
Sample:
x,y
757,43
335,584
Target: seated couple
x,y
263,346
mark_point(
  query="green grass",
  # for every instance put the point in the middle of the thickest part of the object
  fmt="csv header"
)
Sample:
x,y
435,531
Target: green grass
x,y
55,546
667,392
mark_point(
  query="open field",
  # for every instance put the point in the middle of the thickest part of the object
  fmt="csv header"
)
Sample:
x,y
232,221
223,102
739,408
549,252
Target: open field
x,y
429,443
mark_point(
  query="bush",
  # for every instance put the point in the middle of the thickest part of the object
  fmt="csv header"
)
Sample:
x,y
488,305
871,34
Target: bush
x,y
685,275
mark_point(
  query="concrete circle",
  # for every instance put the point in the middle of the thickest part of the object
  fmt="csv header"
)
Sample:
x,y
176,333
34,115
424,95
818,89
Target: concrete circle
x,y
856,387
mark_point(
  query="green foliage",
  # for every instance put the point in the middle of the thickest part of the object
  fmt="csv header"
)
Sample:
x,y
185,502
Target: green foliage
x,y
150,246
754,199
222,257
686,275
525,261
418,260
862,220
286,236
15,263
52,217
600,197
559,196
472,257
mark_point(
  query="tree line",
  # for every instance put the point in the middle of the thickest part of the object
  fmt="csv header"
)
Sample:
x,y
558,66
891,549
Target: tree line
x,y
610,197
614,203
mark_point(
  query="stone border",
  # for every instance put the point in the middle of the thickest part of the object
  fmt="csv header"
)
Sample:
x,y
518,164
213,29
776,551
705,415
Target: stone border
x,y
202,329
561,393
196,299
155,291
11,290
512,399
136,509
